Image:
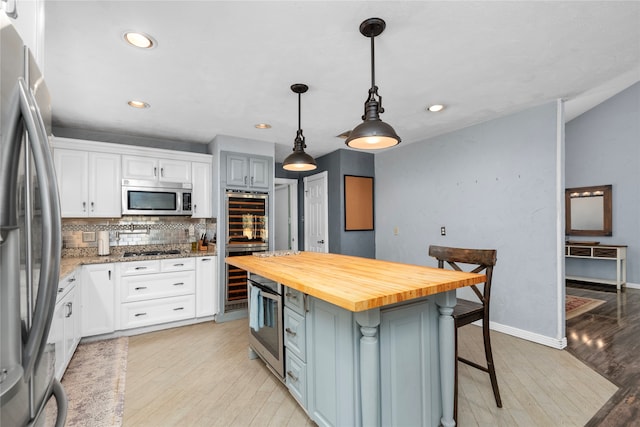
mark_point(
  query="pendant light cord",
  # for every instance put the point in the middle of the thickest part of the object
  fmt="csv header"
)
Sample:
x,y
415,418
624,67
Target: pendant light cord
x,y
373,67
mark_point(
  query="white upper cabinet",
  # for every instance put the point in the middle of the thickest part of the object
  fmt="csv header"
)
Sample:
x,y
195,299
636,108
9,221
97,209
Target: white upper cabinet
x,y
89,183
156,169
201,192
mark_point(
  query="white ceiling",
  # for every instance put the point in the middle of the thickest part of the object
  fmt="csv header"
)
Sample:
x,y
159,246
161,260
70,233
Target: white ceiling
x,y
220,67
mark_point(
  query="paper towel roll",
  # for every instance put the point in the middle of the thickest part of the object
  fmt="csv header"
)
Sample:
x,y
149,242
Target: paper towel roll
x,y
103,243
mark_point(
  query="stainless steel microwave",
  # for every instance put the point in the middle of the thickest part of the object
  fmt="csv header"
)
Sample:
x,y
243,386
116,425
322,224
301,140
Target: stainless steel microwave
x,y
155,198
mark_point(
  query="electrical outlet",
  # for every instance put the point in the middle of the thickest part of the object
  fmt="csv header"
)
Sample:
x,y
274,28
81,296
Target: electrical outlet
x,y
88,236
395,231
443,231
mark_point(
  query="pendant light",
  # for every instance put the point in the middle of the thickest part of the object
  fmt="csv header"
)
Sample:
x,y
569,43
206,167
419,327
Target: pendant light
x,y
299,160
372,133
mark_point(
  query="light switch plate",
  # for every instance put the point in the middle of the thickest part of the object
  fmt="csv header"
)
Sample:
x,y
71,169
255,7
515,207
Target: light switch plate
x,y
88,236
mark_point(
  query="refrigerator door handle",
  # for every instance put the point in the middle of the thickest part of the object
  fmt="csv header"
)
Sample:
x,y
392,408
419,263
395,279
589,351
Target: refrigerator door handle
x,y
51,230
55,389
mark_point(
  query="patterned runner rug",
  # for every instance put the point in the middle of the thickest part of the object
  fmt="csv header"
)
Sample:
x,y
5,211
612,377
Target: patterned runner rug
x,y
575,306
94,384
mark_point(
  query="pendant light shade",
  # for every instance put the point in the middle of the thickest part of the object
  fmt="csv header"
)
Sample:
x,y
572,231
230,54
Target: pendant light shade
x,y
372,133
299,160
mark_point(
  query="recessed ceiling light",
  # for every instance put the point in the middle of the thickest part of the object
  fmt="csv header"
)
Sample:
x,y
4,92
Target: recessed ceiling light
x,y
263,126
138,104
139,39
435,108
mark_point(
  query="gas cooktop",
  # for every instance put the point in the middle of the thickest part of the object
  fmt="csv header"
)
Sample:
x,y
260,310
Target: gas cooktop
x,y
151,253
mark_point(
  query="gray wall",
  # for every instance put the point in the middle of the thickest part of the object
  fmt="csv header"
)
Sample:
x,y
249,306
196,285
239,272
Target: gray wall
x,y
493,185
337,164
603,147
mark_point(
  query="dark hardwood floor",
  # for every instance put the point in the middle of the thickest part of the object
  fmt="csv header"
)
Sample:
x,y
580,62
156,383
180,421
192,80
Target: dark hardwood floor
x,y
607,339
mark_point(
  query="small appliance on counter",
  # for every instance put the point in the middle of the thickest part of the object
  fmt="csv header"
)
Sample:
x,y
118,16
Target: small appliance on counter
x,y
103,242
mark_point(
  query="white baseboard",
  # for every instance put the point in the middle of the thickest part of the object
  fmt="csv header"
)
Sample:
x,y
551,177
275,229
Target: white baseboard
x,y
633,285
529,336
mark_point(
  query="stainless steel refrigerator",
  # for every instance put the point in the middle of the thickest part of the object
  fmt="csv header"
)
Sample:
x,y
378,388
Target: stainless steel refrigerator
x,y
30,239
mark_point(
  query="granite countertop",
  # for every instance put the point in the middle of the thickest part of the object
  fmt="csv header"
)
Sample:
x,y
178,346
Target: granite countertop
x,y
72,259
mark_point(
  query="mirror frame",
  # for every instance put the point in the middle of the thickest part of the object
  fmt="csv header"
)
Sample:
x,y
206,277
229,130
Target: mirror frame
x,y
607,228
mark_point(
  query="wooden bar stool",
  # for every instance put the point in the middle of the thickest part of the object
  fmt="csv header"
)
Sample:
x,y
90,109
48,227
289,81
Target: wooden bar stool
x,y
466,312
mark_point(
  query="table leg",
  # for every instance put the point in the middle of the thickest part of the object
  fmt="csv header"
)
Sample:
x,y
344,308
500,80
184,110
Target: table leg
x,y
445,302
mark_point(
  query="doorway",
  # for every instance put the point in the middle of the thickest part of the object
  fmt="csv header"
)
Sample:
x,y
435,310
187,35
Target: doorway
x,y
285,223
316,213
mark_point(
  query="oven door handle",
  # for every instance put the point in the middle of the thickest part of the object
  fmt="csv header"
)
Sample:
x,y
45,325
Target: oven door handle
x,y
263,288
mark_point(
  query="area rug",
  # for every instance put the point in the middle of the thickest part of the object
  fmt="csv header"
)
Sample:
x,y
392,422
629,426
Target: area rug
x,y
94,383
575,306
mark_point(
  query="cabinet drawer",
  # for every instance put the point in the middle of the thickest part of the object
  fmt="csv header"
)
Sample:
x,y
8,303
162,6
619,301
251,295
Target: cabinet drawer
x,y
139,288
140,267
295,333
177,264
605,252
296,378
294,300
145,313
64,285
575,251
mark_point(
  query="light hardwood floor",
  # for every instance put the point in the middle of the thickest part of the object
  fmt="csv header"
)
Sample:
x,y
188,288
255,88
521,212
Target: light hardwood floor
x,y
201,375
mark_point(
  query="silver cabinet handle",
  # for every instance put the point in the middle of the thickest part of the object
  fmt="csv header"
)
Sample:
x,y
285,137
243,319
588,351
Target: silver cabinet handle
x,y
178,265
109,274
245,180
205,259
92,209
292,376
321,241
195,208
140,314
179,284
290,332
71,279
291,295
141,268
139,288
69,309
178,308
162,172
155,171
251,180
84,206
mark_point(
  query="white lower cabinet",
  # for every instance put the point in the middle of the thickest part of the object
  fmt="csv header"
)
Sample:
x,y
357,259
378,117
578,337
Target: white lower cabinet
x,y
98,299
155,311
66,323
157,291
206,286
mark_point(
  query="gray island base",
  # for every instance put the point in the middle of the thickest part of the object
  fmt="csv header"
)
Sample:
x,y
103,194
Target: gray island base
x,y
374,340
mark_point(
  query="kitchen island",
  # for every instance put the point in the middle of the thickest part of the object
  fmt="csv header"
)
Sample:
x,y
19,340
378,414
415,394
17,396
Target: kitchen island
x,y
400,368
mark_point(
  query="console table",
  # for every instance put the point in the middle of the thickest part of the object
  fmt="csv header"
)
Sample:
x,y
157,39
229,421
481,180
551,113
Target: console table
x,y
617,253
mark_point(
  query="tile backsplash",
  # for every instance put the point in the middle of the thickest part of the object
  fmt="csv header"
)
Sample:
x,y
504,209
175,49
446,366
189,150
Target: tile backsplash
x,y
135,230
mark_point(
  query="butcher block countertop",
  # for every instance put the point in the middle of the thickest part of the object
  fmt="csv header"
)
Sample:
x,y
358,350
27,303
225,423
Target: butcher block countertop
x,y
354,283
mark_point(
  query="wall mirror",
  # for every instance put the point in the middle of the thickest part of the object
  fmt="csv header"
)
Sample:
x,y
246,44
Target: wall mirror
x,y
588,211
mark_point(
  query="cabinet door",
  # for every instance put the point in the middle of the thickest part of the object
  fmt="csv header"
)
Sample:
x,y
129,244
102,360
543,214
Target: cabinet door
x,y
201,193
259,173
174,171
138,167
72,173
72,324
56,338
98,299
206,286
237,170
105,189
331,343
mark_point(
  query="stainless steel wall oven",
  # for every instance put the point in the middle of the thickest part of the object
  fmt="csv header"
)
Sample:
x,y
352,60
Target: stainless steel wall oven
x,y
247,231
266,322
